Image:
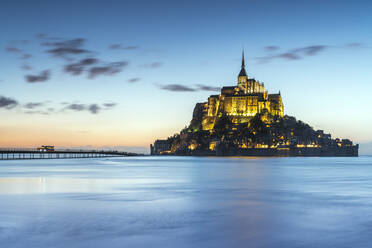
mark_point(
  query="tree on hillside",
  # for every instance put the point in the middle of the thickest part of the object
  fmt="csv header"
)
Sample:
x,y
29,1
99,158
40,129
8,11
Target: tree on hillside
x,y
222,126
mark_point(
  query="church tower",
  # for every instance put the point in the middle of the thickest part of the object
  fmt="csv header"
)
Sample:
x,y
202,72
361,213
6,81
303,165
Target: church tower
x,y
242,78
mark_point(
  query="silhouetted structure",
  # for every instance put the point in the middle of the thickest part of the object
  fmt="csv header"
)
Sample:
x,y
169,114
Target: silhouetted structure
x,y
160,147
245,120
24,153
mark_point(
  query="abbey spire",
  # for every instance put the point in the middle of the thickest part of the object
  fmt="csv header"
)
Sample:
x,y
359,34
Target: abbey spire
x,y
242,71
242,77
243,63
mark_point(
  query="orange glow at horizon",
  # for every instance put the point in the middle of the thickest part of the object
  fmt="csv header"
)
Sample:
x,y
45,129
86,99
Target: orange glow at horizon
x,y
34,137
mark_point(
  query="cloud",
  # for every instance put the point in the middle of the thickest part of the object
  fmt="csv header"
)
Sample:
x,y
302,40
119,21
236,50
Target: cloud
x,y
38,108
355,45
271,48
122,47
91,66
310,50
184,88
33,105
133,80
8,103
93,108
42,77
62,51
152,65
13,49
108,69
43,36
207,88
288,56
40,112
176,88
66,47
26,56
109,105
44,108
26,67
76,107
78,68
292,54
303,52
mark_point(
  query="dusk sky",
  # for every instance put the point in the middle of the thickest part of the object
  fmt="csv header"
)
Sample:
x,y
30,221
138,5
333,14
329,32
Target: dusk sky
x,y
124,73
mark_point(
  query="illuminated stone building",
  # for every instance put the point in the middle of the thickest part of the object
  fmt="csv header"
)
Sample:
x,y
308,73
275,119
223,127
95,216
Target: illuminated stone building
x,y
241,102
228,125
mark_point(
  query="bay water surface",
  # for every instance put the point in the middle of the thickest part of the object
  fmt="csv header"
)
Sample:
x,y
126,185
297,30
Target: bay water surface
x,y
186,202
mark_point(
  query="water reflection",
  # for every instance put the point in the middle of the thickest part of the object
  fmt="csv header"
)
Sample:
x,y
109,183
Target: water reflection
x,y
186,202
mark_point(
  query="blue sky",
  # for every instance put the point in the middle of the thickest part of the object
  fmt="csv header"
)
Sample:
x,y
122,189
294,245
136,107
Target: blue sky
x,y
317,53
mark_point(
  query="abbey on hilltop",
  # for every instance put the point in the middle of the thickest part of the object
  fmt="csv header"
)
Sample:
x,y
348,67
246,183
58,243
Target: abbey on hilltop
x,y
245,120
241,102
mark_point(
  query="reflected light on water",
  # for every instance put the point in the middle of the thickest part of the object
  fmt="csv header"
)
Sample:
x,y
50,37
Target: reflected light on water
x,y
186,202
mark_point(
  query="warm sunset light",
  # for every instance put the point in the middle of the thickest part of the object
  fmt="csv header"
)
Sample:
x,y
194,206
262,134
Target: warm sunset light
x,y
187,124
127,81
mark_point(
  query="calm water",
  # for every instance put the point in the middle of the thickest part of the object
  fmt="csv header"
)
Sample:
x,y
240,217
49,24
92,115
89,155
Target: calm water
x,y
187,202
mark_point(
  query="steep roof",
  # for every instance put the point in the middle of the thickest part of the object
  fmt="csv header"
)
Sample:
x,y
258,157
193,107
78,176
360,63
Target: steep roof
x,y
242,71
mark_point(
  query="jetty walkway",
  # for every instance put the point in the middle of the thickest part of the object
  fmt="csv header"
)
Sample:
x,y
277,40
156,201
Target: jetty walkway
x,y
30,153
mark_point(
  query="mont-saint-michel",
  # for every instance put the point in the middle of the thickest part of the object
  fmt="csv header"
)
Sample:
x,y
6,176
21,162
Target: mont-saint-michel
x,y
245,120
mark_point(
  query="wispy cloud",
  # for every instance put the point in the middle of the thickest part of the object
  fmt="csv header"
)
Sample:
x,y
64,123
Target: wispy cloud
x,y
176,87
184,88
302,52
310,50
93,108
44,36
288,56
108,69
109,105
42,77
79,59
33,105
13,49
26,67
7,102
207,88
78,68
122,47
26,56
152,65
48,107
271,48
76,107
66,47
292,54
133,80
356,45
39,112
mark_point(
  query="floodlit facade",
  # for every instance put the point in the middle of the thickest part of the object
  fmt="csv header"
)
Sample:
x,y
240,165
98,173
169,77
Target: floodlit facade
x,y
241,102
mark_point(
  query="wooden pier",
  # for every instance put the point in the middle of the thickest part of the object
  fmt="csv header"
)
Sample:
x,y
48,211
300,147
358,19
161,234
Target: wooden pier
x,y
14,153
